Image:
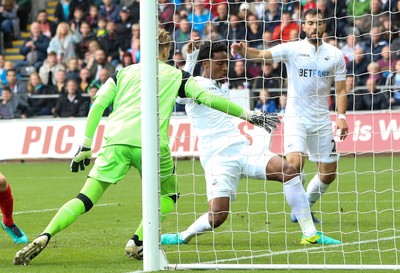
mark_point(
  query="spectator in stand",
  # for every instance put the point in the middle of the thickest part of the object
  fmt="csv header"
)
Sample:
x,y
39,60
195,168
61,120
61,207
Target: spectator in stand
x,y
265,103
61,78
236,29
78,17
268,42
166,11
7,66
294,35
387,63
87,35
101,27
373,18
100,63
136,31
272,15
374,99
63,11
210,33
103,76
221,20
393,84
47,27
126,60
109,11
83,4
93,17
182,35
254,31
93,46
12,106
39,106
179,61
135,50
63,43
34,49
24,13
375,73
282,31
375,44
124,28
92,93
354,98
185,9
237,77
358,8
3,71
358,67
134,6
282,104
84,79
327,9
309,4
110,43
18,88
73,69
349,48
49,69
245,10
9,22
70,104
199,16
270,78
259,7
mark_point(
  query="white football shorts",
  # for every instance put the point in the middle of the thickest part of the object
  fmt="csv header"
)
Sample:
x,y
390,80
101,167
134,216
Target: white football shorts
x,y
315,140
224,171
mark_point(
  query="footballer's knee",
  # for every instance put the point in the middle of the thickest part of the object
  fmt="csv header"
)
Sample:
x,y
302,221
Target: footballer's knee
x,y
327,178
288,172
3,183
86,201
217,218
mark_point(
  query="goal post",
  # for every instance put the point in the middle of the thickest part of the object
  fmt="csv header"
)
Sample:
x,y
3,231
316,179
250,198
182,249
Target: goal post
x,y
361,208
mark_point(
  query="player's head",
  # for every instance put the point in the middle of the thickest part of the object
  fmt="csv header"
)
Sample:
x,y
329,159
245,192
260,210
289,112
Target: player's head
x,y
214,60
313,25
164,43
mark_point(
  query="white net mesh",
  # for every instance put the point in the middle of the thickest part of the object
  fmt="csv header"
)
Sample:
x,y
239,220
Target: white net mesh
x,y
361,207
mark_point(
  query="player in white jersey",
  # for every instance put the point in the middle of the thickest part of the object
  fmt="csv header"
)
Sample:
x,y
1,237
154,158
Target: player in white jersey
x,y
313,66
226,155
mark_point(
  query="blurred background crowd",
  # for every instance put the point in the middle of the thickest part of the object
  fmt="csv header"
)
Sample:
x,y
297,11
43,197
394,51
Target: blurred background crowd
x,y
70,48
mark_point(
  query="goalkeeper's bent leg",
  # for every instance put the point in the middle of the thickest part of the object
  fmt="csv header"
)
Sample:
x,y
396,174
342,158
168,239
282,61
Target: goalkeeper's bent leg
x,y
70,211
166,207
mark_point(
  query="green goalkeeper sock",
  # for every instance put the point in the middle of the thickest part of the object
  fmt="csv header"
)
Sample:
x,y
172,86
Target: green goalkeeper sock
x,y
166,205
65,216
71,210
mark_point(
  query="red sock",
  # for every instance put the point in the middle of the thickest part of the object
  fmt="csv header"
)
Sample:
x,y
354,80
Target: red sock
x,y
6,205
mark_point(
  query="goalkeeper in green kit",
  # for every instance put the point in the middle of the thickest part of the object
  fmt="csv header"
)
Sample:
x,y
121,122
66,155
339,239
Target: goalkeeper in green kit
x,y
122,147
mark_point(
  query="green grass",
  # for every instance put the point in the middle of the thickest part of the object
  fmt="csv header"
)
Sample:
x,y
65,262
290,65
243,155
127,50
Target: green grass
x,y
367,212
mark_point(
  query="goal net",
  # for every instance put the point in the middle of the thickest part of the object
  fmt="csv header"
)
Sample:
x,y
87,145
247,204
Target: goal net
x,y
361,208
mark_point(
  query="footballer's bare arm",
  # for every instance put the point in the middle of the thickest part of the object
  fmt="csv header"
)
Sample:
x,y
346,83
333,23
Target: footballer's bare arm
x,y
341,102
250,53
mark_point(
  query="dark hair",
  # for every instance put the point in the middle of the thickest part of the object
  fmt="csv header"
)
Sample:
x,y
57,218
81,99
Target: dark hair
x,y
42,11
209,48
6,88
11,70
312,12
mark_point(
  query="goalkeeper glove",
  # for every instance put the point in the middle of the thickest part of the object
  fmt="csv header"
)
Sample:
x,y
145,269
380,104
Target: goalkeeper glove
x,y
268,121
81,159
82,156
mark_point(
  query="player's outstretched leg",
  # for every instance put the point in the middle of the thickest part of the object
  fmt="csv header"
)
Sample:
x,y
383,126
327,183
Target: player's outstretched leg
x,y
26,255
319,238
294,219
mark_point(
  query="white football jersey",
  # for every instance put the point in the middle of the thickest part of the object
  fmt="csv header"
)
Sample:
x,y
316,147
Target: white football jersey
x,y
216,130
310,78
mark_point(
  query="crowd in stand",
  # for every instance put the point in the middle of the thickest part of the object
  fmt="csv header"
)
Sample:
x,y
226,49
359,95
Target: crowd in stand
x,y
87,41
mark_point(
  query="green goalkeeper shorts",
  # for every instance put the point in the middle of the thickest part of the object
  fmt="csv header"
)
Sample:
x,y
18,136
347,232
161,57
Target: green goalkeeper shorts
x,y
114,162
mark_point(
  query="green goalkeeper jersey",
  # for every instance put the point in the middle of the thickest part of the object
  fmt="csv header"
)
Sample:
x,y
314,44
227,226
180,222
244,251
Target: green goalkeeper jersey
x,y
122,91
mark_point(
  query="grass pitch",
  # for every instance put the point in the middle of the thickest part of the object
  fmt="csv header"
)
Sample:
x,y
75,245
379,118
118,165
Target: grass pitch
x,y
364,215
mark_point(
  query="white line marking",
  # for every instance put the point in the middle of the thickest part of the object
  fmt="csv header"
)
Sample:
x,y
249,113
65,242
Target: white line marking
x,y
285,252
55,209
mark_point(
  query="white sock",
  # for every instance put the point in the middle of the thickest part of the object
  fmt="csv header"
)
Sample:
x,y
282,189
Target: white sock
x,y
315,189
199,226
297,200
